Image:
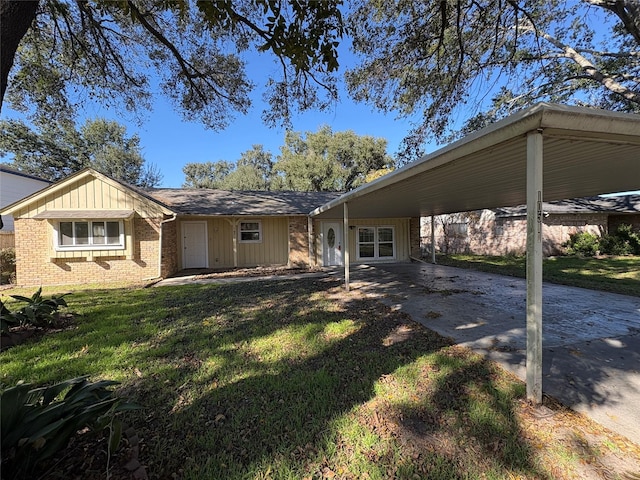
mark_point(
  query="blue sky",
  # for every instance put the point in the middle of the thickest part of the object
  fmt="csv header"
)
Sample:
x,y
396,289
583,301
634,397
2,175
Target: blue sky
x,y
169,142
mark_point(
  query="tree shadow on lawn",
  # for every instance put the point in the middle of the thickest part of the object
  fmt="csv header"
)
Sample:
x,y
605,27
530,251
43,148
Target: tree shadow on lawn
x,y
219,405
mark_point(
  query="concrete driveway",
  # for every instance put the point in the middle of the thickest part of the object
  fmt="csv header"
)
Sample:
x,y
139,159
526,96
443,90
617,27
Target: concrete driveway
x,y
591,340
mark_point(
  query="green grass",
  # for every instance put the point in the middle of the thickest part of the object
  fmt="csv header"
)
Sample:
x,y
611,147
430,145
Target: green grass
x,y
295,379
610,274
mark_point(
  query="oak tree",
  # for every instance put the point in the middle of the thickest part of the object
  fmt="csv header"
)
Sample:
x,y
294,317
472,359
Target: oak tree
x,y
55,150
441,61
56,54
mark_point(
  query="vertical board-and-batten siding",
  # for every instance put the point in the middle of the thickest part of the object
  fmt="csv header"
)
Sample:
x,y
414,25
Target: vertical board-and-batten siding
x,y
92,193
39,263
274,247
401,232
272,250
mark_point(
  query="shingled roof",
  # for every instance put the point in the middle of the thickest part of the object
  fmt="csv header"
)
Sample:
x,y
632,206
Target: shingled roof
x,y
204,201
623,204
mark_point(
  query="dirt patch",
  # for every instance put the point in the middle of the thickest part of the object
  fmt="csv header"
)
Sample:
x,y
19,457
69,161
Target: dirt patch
x,y
244,272
21,334
600,453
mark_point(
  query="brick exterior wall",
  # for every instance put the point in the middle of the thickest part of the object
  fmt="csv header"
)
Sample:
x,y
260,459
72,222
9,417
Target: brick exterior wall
x,y
616,220
35,268
488,235
414,237
169,264
298,242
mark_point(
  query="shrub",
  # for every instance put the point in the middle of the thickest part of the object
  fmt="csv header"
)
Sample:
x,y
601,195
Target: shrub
x,y
7,265
39,311
582,243
624,241
38,422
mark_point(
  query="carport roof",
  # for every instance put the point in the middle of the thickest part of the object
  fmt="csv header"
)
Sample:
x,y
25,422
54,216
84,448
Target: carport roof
x,y
586,152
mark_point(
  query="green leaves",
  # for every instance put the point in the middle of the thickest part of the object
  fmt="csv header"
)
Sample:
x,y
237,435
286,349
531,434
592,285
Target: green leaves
x,y
438,63
38,422
109,51
313,161
39,311
55,150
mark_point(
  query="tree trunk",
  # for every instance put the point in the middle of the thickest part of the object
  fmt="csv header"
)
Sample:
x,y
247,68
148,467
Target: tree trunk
x,y
16,16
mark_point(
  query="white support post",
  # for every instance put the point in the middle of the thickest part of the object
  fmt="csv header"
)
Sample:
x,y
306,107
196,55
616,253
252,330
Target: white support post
x,y
534,265
346,246
312,262
433,239
234,239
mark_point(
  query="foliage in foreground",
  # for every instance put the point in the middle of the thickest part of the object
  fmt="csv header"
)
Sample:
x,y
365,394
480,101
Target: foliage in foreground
x,y
38,422
38,311
298,380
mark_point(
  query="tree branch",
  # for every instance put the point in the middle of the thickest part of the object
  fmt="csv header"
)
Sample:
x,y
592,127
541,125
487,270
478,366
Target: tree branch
x,y
627,10
589,68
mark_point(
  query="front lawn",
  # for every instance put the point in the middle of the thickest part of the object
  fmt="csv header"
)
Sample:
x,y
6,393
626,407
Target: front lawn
x,y
610,274
295,379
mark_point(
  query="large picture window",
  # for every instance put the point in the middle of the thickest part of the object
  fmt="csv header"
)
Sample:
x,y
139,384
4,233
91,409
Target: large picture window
x,y
90,235
376,243
250,232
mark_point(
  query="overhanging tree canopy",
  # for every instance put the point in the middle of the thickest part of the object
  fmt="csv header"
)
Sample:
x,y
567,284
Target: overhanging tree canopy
x,y
56,53
442,61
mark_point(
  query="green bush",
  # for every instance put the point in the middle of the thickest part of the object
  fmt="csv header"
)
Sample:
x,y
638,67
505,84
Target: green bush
x,y
624,241
38,311
582,243
38,422
7,265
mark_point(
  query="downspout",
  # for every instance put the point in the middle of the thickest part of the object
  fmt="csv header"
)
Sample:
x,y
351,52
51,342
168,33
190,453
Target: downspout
x,y
173,217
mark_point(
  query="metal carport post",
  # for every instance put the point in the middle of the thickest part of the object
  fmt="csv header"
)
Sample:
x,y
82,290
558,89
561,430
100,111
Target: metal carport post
x,y
534,265
345,212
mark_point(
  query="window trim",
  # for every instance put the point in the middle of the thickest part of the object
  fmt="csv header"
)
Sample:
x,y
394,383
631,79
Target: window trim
x,y
88,246
259,231
376,242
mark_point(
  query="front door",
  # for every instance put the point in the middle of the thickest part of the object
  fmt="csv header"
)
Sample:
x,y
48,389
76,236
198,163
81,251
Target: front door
x,y
332,244
194,245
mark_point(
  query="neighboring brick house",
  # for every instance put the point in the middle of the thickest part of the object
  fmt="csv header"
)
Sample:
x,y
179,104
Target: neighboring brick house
x,y
503,231
90,228
14,185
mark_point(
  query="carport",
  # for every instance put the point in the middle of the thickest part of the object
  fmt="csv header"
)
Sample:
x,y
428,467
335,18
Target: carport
x,y
543,153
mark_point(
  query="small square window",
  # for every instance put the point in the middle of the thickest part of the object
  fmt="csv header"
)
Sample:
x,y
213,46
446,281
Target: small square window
x,y
250,232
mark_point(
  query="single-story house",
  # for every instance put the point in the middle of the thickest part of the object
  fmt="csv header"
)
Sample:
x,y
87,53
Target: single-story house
x,y
15,185
91,228
502,231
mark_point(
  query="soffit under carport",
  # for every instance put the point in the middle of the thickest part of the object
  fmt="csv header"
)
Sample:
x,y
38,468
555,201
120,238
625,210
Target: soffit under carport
x,y
586,152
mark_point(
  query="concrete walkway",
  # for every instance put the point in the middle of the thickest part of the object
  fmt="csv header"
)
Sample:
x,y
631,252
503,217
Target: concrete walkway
x,y
591,340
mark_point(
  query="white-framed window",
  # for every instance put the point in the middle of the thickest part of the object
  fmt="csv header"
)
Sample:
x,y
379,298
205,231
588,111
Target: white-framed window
x,y
250,231
376,243
458,229
89,235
